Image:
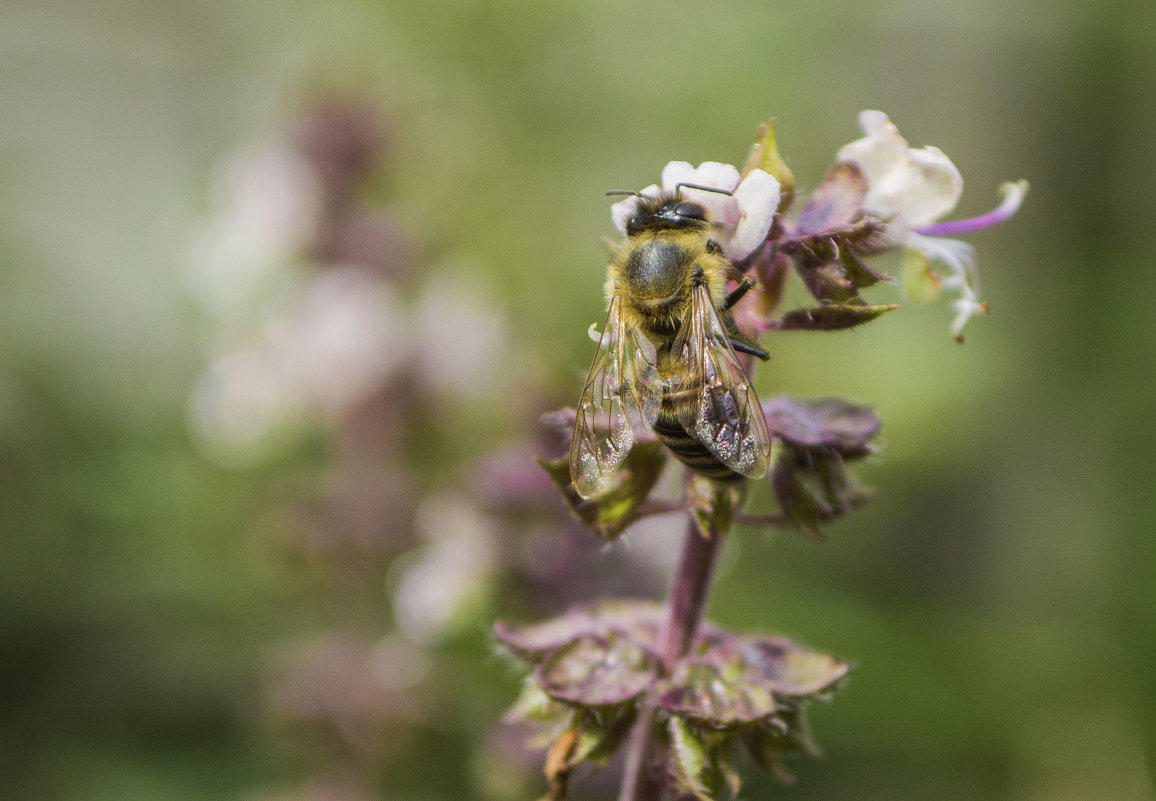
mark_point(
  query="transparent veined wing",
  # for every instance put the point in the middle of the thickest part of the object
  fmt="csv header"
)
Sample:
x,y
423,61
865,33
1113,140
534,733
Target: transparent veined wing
x,y
622,391
726,415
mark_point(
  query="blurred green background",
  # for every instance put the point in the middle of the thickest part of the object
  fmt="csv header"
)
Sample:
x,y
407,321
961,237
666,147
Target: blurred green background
x,y
998,598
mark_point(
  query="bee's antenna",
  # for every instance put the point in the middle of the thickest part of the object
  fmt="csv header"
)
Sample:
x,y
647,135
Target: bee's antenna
x,y
680,185
629,192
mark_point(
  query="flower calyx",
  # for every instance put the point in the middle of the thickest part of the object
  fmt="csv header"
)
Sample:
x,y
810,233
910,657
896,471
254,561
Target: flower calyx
x,y
596,667
814,440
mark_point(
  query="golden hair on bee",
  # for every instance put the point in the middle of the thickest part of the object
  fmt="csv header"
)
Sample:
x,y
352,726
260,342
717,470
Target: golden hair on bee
x,y
666,251
666,359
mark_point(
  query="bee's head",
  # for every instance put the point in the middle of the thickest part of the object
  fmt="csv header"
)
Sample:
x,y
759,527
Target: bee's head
x,y
666,211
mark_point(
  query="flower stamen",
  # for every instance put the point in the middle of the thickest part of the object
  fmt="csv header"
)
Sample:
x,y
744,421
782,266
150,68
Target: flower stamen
x,y
1013,196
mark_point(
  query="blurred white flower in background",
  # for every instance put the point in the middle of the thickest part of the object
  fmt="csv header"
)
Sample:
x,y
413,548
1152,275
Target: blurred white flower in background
x,y
345,334
291,340
238,408
461,337
294,340
341,334
440,585
315,325
347,678
266,208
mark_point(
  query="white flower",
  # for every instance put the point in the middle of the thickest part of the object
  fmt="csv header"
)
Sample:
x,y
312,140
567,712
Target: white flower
x,y
742,212
906,186
341,336
910,188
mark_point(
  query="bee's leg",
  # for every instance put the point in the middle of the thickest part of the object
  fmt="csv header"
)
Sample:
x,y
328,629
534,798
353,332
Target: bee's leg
x,y
742,289
754,350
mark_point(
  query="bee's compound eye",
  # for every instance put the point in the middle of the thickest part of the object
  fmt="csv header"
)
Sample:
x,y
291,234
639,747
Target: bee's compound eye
x,y
690,210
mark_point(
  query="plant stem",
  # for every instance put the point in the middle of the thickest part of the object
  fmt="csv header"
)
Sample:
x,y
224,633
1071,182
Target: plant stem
x,y
685,604
638,782
689,588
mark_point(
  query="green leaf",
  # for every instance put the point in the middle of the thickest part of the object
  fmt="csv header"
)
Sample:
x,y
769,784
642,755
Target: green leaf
x,y
601,735
765,156
689,758
858,271
716,693
731,681
597,671
772,283
532,640
612,511
727,771
796,501
788,736
533,705
702,760
788,669
713,504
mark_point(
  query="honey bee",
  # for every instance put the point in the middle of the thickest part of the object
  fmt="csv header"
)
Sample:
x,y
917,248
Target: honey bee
x,y
666,358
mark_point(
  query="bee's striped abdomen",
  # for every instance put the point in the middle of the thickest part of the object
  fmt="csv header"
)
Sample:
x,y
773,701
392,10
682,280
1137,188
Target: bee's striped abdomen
x,y
685,446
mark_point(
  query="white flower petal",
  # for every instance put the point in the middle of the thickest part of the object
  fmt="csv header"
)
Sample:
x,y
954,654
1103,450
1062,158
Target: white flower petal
x,y
741,218
463,337
716,175
346,336
911,188
677,172
958,256
723,209
965,309
907,186
922,190
240,406
443,581
621,213
758,198
880,150
963,276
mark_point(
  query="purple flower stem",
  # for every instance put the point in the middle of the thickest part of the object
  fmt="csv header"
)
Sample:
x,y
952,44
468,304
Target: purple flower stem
x,y
1002,212
638,781
689,588
686,604
959,226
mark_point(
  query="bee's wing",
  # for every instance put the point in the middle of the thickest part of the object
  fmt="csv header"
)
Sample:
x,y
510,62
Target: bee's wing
x,y
726,415
622,391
